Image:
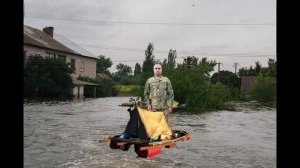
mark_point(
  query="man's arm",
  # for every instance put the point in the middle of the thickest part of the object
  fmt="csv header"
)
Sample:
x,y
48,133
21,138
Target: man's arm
x,y
147,93
170,94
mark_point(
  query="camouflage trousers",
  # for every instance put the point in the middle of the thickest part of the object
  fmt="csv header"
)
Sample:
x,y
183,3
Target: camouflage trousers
x,y
166,112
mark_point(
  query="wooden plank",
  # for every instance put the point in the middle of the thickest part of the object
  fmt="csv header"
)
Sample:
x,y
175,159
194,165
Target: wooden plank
x,y
121,143
145,145
168,141
135,141
156,146
106,139
163,143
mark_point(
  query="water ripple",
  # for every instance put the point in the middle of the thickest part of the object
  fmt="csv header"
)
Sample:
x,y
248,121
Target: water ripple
x,y
65,134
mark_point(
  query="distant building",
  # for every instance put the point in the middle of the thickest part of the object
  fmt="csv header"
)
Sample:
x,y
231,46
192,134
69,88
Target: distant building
x,y
47,44
247,83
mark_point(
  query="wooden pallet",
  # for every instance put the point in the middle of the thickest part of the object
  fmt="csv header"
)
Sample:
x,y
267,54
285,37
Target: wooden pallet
x,y
143,148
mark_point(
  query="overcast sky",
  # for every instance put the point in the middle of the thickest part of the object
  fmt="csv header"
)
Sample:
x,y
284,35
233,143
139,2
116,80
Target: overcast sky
x,y
228,31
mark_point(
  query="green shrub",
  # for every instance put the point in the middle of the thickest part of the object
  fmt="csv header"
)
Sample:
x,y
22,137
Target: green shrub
x,y
208,98
264,89
104,88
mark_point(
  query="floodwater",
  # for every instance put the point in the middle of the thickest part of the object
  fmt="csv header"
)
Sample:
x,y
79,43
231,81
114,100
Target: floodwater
x,y
66,134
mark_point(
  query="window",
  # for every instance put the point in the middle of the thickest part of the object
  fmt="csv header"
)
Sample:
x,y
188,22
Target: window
x,y
51,55
81,65
34,56
72,64
62,57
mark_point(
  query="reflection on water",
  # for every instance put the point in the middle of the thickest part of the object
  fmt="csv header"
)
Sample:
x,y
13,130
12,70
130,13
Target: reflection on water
x,y
66,134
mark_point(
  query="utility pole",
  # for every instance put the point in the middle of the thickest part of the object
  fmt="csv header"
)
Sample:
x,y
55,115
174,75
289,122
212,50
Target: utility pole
x,y
235,66
219,66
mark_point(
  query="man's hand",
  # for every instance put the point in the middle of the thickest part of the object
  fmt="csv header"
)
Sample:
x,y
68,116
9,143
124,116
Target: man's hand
x,y
170,110
149,108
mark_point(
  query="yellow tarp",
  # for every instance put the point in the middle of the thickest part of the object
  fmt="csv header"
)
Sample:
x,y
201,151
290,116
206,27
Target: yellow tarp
x,y
175,103
155,124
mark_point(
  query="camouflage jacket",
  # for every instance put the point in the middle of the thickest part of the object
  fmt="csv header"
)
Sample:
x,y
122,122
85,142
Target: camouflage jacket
x,y
157,92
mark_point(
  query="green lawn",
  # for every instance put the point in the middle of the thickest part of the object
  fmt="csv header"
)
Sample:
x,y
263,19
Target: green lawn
x,y
127,88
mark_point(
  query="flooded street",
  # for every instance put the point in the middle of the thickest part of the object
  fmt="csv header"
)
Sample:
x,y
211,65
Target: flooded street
x,y
66,134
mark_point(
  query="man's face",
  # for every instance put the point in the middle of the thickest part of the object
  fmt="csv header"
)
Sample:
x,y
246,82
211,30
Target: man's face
x,y
157,70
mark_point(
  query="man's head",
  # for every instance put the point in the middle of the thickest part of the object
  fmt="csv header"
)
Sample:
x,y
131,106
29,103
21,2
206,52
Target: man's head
x,y
157,70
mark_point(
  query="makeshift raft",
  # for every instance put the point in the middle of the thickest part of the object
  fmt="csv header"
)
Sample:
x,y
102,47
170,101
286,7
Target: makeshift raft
x,y
149,132
145,148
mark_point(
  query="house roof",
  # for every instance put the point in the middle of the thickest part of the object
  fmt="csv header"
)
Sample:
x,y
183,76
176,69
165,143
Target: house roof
x,y
103,76
37,37
75,47
79,82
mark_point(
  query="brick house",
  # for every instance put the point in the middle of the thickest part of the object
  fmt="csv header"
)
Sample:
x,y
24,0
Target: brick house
x,y
47,44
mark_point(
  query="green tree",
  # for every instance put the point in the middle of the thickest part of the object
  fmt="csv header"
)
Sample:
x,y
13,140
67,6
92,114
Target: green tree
x,y
272,68
209,65
170,63
266,71
103,64
47,78
257,68
242,72
137,69
191,77
147,67
229,79
122,71
190,62
251,71
149,62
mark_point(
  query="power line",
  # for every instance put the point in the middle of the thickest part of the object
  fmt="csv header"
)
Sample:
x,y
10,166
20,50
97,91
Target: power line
x,y
184,53
137,60
155,23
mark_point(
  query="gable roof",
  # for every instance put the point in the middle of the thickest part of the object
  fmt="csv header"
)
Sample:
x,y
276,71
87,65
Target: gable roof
x,y
39,38
75,47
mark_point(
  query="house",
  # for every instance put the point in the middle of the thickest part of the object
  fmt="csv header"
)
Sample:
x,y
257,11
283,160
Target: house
x,y
247,83
47,44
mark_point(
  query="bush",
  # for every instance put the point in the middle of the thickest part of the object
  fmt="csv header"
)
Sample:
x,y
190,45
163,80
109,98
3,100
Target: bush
x,y
208,98
103,89
231,80
264,89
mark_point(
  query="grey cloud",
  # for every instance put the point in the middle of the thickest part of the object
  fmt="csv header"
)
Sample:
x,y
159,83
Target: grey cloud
x,y
206,39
